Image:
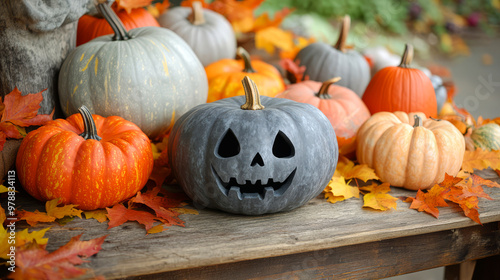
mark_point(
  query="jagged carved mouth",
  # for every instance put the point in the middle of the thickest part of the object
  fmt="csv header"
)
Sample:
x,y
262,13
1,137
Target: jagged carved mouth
x,y
270,189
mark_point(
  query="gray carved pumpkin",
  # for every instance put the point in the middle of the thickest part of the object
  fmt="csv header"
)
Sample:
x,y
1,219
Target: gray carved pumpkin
x,y
147,75
208,33
253,158
323,61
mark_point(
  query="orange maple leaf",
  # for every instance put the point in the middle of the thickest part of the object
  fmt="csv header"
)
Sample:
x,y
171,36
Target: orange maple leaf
x,y
270,38
294,72
129,5
157,9
239,13
263,21
160,205
119,214
429,201
37,263
378,197
20,111
481,159
53,212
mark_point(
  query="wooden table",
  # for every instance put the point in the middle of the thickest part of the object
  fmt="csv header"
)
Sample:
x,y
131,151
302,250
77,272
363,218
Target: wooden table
x,y
317,241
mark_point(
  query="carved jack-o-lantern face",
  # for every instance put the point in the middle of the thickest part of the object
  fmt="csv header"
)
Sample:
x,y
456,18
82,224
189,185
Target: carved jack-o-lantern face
x,y
252,162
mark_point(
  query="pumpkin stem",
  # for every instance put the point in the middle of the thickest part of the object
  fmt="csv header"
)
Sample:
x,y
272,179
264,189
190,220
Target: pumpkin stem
x,y
323,90
344,31
114,21
196,17
418,121
243,54
407,57
252,95
89,128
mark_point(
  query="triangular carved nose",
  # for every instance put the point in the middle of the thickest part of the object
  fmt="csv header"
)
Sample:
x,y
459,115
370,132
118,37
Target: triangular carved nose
x,y
257,160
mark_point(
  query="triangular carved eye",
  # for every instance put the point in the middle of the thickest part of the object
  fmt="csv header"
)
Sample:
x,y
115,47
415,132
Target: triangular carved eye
x,y
283,147
229,146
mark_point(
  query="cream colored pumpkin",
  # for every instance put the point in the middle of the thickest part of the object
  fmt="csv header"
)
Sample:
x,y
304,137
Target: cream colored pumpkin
x,y
409,150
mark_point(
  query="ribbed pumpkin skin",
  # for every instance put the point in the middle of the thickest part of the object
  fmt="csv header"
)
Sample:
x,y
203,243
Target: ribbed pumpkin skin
x,y
151,79
55,162
211,41
404,156
323,62
397,88
345,110
224,79
487,137
90,27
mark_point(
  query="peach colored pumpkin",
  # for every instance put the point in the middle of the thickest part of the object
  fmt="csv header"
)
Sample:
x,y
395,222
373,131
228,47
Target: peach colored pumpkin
x,y
409,150
343,108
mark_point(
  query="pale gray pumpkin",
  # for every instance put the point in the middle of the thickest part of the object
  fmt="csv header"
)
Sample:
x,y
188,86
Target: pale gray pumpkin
x,y
323,62
149,76
440,89
253,159
209,34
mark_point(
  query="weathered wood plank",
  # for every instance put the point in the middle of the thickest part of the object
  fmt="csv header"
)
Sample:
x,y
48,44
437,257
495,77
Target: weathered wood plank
x,y
215,238
372,260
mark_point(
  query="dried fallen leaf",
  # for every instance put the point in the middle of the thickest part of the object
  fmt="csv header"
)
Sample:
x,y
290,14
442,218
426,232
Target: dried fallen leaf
x,y
481,159
349,170
338,190
160,205
37,263
271,38
347,146
378,197
129,5
53,212
18,112
298,44
119,214
157,229
99,215
428,201
294,72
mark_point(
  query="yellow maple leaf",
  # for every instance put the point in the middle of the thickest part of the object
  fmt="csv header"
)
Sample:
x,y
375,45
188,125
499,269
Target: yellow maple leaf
x,y
481,159
349,170
338,189
21,239
99,215
378,197
271,38
60,212
2,215
185,211
32,218
156,229
3,189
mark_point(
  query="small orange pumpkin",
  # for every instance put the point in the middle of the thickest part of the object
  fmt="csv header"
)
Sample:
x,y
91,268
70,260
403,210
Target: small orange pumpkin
x,y
225,76
401,88
88,160
90,27
409,150
343,108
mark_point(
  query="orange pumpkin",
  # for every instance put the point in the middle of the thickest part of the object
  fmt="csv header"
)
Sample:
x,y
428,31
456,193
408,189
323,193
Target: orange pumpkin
x,y
225,76
401,88
343,108
91,161
90,27
409,150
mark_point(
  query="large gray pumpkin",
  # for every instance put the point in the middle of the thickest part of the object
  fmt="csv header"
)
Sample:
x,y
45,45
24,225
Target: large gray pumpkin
x,y
208,33
251,159
149,76
323,62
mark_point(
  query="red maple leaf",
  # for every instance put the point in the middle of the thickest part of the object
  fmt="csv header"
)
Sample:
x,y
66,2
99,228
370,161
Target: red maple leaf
x,y
429,201
37,263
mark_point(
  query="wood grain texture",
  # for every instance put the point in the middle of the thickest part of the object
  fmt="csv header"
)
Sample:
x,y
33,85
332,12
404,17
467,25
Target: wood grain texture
x,y
346,232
